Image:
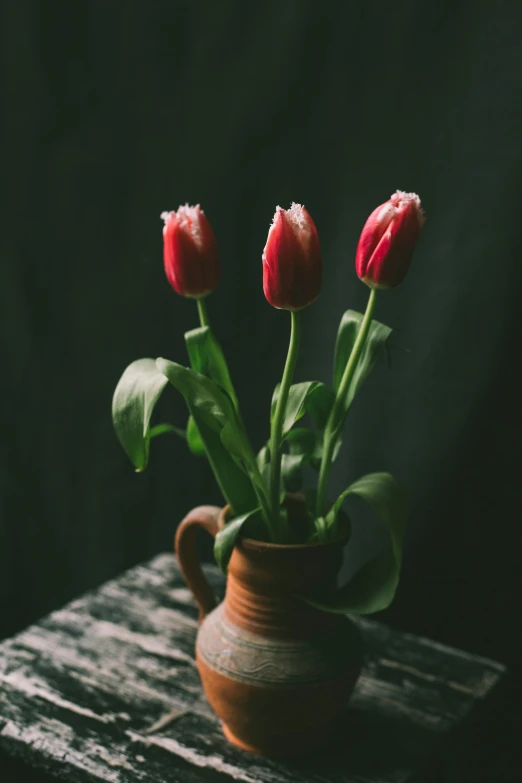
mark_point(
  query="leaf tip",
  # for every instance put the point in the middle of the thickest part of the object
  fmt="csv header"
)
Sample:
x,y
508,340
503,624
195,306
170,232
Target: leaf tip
x,y
160,364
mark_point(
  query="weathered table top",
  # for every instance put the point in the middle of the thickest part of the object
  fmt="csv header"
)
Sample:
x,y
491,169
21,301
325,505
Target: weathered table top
x,y
106,689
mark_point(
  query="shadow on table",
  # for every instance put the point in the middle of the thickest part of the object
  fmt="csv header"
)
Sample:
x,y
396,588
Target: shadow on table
x,y
375,746
15,771
370,746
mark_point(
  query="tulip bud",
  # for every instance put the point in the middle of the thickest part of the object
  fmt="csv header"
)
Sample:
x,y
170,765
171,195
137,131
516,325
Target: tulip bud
x,y
388,239
190,252
292,266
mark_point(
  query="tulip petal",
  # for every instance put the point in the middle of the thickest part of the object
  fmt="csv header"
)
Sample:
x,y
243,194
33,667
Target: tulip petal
x,y
292,266
190,252
387,241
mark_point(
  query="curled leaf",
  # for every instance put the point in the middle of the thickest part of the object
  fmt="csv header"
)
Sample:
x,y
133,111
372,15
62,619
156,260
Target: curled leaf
x,y
373,586
133,402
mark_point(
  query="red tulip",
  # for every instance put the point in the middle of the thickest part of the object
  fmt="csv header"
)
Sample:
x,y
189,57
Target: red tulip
x,y
292,266
190,252
388,239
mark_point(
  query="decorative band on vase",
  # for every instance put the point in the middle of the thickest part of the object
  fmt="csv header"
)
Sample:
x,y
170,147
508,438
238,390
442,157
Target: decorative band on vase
x,y
250,658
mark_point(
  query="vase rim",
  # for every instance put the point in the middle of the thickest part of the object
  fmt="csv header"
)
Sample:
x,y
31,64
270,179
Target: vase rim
x,y
254,543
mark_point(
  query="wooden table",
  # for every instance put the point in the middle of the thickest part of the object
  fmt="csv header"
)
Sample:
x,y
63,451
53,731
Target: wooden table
x,y
106,689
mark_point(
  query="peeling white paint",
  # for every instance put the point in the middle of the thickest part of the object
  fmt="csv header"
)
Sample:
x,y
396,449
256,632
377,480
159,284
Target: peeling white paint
x,y
150,644
212,761
35,688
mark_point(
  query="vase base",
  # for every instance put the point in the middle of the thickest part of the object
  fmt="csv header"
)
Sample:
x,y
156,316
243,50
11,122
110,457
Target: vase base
x,y
284,746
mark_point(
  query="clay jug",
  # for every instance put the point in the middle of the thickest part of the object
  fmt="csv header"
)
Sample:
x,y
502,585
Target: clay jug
x,y
276,671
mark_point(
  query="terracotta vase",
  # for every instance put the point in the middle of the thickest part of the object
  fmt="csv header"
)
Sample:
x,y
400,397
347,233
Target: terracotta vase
x,y
276,671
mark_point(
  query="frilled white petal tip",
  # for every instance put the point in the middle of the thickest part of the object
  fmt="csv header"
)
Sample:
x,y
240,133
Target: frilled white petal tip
x,y
401,198
187,216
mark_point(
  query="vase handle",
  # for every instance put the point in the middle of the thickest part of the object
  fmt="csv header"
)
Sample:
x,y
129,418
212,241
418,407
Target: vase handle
x,y
205,517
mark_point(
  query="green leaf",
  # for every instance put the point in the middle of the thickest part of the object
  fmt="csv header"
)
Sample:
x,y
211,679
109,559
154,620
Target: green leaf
x,y
235,485
301,449
292,471
162,429
235,440
346,336
200,392
207,357
135,396
263,457
263,463
227,537
301,440
373,587
317,456
195,443
212,410
311,397
319,402
301,444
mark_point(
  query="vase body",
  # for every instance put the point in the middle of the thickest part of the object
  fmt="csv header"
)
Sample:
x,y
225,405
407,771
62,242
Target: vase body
x,y
276,671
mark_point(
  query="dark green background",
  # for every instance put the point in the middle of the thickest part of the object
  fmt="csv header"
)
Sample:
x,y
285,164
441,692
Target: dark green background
x,y
114,111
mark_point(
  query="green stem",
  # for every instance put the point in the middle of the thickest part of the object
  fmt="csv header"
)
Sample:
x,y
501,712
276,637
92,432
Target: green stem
x,y
337,413
203,315
276,435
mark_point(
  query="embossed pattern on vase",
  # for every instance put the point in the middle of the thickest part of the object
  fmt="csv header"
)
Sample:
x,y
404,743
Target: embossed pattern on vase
x,y
251,658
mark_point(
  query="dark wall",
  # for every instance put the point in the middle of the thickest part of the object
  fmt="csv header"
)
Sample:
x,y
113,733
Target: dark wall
x,y
115,111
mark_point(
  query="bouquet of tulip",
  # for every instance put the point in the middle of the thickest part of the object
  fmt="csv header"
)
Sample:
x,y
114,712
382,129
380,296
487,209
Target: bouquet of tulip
x,y
256,485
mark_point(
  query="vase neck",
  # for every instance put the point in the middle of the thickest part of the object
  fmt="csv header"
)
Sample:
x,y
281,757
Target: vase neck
x,y
265,582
